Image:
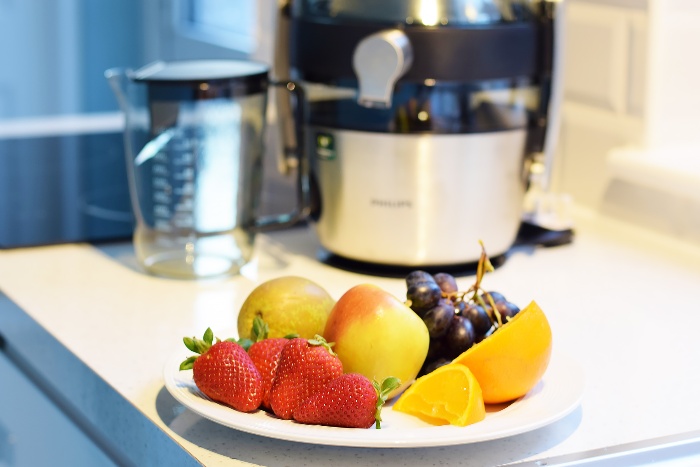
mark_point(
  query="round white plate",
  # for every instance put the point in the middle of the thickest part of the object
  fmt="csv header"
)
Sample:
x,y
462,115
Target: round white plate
x,y
555,396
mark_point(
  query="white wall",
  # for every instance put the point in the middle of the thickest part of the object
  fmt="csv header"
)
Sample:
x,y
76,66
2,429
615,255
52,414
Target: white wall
x,y
674,73
604,87
630,142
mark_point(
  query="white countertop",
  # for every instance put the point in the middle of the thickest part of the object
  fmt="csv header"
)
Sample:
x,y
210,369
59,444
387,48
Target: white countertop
x,y
621,301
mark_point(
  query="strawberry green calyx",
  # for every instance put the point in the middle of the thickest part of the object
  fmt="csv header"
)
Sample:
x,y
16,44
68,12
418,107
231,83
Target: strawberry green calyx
x,y
198,346
245,343
388,385
260,329
318,340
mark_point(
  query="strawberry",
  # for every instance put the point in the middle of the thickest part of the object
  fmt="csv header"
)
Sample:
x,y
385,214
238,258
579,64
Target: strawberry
x,y
265,354
305,367
224,372
350,401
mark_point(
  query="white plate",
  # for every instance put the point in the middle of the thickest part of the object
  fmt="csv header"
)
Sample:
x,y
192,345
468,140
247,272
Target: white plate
x,y
555,396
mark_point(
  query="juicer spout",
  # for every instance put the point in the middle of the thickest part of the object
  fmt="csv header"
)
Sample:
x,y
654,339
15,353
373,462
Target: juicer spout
x,y
379,61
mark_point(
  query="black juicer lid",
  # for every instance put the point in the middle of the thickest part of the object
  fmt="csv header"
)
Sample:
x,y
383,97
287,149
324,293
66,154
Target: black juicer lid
x,y
202,79
419,12
323,52
452,41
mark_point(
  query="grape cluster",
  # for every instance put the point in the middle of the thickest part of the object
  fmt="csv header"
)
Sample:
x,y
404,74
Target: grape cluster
x,y
455,320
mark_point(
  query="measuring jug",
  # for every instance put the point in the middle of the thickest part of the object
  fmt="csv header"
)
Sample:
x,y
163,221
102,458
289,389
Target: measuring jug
x,y
194,147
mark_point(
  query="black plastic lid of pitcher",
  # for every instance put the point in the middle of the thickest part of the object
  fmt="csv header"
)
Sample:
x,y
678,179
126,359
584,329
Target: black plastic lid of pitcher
x,y
202,79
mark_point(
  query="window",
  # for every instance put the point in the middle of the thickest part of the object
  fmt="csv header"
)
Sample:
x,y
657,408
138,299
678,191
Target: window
x,y
227,23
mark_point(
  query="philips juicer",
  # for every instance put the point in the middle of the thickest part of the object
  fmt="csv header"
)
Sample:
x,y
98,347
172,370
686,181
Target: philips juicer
x,y
424,120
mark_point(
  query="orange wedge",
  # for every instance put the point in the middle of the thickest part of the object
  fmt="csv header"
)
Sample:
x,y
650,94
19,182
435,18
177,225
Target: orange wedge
x,y
448,395
510,362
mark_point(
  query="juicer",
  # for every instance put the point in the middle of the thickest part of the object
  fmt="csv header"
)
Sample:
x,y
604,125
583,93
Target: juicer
x,y
426,121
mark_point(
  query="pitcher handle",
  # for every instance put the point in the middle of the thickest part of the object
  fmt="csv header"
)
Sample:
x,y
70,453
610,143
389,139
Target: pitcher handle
x,y
303,195
117,79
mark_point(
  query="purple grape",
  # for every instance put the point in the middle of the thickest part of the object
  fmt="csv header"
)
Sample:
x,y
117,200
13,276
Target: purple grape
x,y
447,282
429,367
507,310
417,276
479,318
423,296
439,318
459,337
436,349
496,296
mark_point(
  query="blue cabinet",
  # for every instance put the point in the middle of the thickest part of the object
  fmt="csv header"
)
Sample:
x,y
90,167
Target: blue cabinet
x,y
34,432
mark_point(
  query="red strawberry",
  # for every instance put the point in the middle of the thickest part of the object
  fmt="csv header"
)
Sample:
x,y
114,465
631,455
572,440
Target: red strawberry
x,y
266,356
224,372
265,353
304,368
350,401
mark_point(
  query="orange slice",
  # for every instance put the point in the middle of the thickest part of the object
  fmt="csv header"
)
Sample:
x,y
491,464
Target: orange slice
x,y
448,395
510,362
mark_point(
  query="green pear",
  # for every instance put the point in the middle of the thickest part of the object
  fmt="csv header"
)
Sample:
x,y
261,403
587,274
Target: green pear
x,y
288,305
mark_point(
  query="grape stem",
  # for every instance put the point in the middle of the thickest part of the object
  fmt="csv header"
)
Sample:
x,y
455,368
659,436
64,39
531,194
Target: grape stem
x,y
482,267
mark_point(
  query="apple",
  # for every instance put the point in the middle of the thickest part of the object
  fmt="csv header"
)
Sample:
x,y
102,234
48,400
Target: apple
x,y
377,335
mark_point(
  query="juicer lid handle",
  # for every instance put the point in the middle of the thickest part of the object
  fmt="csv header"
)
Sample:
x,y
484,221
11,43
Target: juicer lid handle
x,y
379,60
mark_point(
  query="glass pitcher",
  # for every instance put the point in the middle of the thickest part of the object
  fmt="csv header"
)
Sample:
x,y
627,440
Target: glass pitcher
x,y
194,147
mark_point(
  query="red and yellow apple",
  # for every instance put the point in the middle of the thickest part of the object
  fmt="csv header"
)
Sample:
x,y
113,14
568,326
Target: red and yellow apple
x,y
377,335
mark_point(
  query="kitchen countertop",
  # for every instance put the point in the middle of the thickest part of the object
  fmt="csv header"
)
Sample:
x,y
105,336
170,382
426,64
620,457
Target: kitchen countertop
x,y
95,333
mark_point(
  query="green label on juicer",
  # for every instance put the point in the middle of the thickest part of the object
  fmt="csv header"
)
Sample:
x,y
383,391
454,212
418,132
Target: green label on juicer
x,y
325,146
